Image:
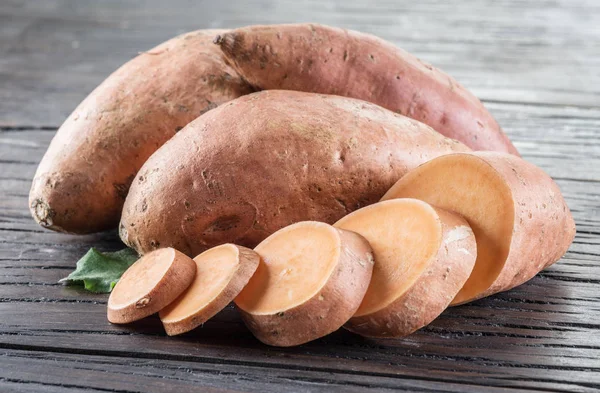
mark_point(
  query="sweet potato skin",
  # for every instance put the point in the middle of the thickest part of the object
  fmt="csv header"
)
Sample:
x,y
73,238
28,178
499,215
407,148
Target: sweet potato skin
x,y
267,160
327,310
82,181
429,296
542,225
323,59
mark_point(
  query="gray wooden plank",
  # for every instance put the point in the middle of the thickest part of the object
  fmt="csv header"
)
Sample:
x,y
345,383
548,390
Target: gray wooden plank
x,y
21,386
516,317
128,374
53,53
503,361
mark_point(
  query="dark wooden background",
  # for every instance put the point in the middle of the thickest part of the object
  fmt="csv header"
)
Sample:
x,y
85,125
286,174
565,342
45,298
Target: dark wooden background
x,y
536,65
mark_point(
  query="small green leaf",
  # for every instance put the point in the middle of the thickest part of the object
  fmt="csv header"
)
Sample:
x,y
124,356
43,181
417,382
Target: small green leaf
x,y
99,271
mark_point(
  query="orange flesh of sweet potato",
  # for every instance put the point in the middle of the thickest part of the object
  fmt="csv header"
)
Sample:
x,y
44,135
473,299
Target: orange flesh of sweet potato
x,y
322,59
423,256
311,253
311,279
221,273
150,284
520,219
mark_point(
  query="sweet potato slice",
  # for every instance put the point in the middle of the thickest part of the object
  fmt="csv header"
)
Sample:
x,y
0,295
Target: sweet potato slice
x,y
423,256
311,279
221,273
520,219
150,284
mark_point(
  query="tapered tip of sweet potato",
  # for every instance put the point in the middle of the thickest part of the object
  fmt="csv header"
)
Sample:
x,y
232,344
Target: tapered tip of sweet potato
x,y
69,202
230,48
225,40
218,39
231,45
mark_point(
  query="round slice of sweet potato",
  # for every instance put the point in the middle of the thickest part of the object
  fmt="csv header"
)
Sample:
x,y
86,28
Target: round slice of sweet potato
x,y
311,279
221,273
521,222
150,284
423,256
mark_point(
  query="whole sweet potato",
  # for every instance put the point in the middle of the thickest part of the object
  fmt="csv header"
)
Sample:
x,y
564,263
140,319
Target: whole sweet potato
x,y
266,160
82,181
323,59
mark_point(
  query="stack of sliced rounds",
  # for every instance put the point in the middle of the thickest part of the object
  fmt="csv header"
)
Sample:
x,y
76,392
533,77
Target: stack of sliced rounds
x,y
311,280
150,284
222,272
423,257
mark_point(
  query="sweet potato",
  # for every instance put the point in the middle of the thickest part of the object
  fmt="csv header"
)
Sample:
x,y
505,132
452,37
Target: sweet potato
x,y
520,219
266,160
221,273
423,256
322,59
82,181
311,279
150,284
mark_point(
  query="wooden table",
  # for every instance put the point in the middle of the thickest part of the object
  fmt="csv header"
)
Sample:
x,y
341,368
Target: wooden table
x,y
535,64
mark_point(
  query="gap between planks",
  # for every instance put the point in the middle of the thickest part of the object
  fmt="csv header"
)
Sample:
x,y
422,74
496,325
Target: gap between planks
x,y
270,365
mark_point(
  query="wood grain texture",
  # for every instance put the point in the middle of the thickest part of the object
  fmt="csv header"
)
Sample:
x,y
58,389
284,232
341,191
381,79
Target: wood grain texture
x,y
84,371
52,54
537,66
